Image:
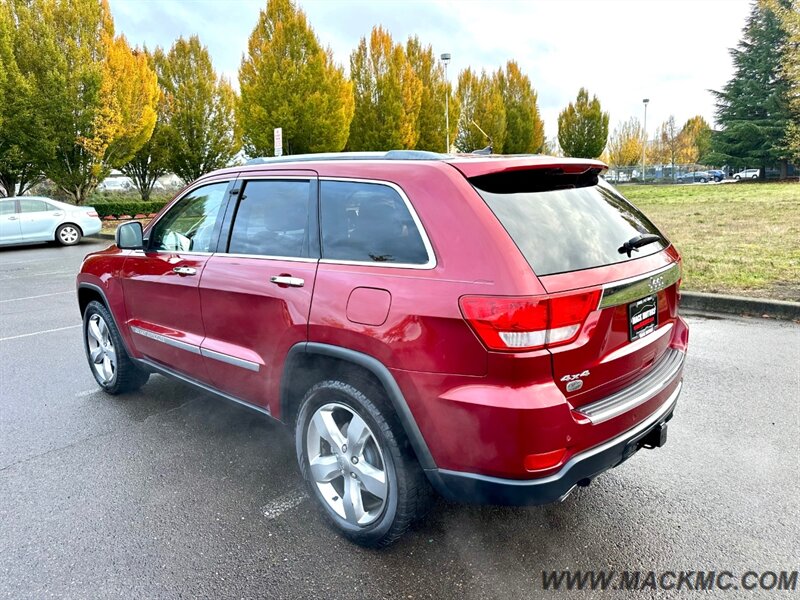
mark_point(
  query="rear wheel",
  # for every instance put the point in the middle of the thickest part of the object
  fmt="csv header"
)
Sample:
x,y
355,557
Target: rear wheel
x,y
68,234
703,180
111,366
357,463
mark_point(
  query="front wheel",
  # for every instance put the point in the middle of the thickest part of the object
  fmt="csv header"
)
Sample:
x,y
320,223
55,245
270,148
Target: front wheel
x,y
357,463
111,366
68,234
703,180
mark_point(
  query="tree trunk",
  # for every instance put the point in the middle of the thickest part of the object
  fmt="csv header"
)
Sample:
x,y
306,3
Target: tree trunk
x,y
784,169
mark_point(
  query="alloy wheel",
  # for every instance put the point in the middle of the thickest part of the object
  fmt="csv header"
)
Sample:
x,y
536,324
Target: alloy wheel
x,y
347,464
102,354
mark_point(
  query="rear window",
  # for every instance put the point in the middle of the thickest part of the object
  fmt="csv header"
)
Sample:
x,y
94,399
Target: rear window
x,y
561,230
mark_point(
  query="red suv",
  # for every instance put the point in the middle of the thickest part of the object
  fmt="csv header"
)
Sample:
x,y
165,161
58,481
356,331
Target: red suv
x,y
497,329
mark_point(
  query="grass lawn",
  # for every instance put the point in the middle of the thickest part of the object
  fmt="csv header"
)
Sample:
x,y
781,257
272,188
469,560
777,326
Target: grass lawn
x,y
735,238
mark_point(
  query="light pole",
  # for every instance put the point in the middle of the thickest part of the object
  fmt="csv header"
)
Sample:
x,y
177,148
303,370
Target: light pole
x,y
644,144
446,59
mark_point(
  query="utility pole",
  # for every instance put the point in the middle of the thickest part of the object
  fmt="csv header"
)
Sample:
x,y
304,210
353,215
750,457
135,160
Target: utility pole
x,y
644,144
446,59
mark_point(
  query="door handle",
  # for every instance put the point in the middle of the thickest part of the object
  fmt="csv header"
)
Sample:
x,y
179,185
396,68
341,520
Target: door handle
x,y
287,281
13,218
184,270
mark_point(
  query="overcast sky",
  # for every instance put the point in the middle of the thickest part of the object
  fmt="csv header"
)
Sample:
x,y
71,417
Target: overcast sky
x,y
670,51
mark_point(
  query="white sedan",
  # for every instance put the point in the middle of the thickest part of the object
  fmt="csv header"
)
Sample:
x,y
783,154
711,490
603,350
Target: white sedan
x,y
31,219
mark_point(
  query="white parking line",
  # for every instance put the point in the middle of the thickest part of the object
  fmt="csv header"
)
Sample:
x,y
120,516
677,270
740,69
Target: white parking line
x,y
39,296
281,504
24,335
37,274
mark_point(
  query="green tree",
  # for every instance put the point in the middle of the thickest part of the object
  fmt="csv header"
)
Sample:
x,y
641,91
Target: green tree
x,y
200,126
387,94
288,80
435,88
753,107
94,96
524,125
625,144
23,143
483,114
583,127
151,161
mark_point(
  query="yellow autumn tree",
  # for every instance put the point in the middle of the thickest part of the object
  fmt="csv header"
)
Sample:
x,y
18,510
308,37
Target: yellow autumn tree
x,y
95,97
625,144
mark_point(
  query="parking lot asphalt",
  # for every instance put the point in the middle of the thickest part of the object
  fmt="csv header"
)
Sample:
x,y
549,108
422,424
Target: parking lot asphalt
x,y
172,493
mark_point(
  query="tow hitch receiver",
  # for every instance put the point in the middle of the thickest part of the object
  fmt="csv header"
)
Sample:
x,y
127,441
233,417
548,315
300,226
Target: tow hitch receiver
x,y
656,437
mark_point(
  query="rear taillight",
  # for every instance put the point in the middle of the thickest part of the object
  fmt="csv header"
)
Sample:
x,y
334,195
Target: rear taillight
x,y
92,213
513,324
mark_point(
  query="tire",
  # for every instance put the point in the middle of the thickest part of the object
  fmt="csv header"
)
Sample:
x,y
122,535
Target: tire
x,y
703,180
114,372
378,445
68,234
754,177
737,177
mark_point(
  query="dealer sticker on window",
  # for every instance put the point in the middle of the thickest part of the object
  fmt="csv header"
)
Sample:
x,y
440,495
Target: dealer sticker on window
x,y
642,317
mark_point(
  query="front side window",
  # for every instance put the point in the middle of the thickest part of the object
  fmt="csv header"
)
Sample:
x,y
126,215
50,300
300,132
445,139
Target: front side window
x,y
31,206
368,222
189,224
272,219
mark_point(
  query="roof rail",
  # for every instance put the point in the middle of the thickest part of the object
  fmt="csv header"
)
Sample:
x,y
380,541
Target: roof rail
x,y
326,156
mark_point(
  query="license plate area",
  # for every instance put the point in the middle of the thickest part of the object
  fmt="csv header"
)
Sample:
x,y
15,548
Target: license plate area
x,y
642,317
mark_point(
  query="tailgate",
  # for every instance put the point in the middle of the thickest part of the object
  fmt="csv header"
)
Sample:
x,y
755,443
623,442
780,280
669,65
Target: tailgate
x,y
624,338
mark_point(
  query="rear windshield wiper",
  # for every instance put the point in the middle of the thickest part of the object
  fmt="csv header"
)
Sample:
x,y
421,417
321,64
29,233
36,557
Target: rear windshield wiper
x,y
637,242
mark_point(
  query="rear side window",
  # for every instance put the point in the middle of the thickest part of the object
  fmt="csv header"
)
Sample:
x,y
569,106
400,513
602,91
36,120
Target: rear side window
x,y
570,229
368,222
7,207
272,219
30,206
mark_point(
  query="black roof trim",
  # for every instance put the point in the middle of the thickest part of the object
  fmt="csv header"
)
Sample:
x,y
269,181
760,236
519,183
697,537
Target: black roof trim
x,y
330,156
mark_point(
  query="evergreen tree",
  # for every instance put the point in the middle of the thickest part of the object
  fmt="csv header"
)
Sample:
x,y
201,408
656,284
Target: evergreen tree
x,y
524,125
753,108
288,80
583,127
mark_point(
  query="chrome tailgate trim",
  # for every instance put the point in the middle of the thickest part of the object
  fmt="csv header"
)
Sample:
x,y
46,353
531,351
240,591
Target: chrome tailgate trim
x,y
628,290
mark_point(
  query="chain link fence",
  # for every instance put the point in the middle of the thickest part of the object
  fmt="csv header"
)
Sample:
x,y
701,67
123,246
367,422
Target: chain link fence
x,y
689,173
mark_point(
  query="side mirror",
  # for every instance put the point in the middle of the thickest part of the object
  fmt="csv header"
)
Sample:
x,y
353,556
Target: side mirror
x,y
129,236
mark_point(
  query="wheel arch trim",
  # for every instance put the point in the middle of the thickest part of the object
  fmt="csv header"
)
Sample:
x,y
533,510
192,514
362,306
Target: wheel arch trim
x,y
96,288
380,371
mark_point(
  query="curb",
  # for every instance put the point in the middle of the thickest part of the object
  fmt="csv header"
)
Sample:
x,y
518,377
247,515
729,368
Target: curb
x,y
738,305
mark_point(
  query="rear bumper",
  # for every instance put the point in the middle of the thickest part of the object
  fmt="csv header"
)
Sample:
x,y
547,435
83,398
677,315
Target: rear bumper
x,y
481,489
